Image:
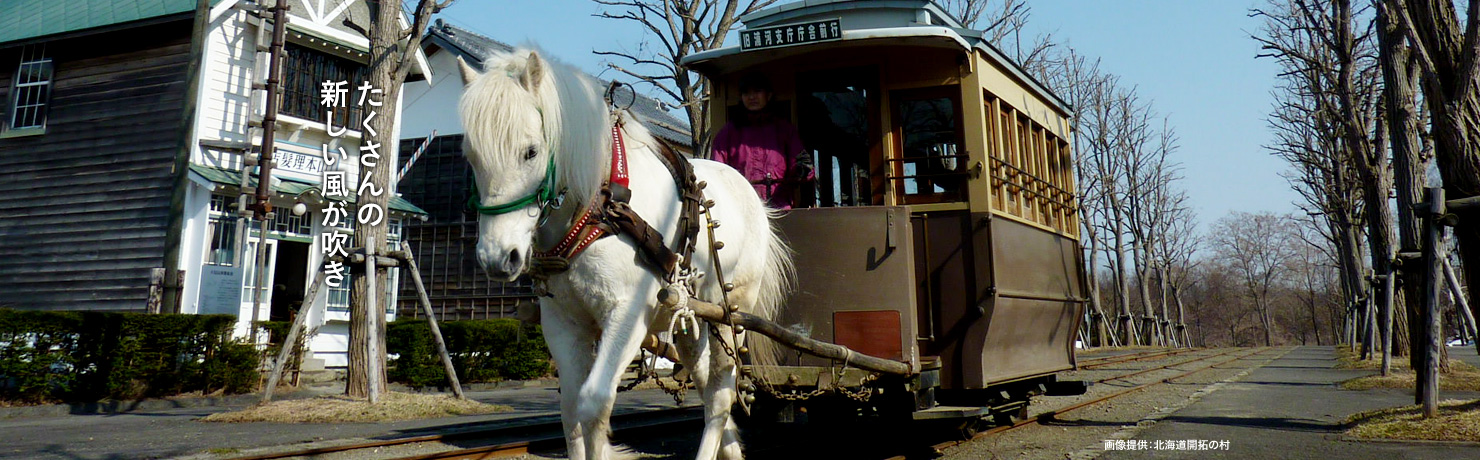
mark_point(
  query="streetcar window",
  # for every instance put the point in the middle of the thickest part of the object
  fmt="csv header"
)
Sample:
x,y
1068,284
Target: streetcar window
x,y
930,166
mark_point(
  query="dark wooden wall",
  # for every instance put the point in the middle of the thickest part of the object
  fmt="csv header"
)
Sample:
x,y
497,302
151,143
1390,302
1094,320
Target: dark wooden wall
x,y
444,245
83,207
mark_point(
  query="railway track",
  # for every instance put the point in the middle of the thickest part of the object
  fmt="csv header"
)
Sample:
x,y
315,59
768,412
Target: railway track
x,y
545,434
1117,359
1050,415
497,442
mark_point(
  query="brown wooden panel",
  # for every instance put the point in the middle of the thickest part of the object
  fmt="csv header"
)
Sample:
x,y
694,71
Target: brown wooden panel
x,y
849,259
861,331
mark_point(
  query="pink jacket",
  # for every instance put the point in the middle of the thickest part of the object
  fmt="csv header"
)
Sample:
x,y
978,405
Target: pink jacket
x,y
764,153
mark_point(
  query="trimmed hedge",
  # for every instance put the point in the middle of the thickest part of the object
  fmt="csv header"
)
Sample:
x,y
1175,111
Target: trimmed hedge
x,y
87,356
482,351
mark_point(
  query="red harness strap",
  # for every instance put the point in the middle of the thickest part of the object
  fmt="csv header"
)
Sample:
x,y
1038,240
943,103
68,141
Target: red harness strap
x,y
587,229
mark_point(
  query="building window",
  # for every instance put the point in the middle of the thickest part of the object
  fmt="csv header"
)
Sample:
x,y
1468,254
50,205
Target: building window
x,y
304,71
222,231
338,300
31,89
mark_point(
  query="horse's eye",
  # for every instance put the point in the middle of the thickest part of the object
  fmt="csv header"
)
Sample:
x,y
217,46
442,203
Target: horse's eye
x,y
531,153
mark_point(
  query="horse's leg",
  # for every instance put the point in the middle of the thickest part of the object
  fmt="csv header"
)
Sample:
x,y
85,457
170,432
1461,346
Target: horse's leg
x,y
570,342
622,335
714,377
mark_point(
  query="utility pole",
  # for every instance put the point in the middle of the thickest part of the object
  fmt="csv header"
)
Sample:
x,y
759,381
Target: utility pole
x,y
262,208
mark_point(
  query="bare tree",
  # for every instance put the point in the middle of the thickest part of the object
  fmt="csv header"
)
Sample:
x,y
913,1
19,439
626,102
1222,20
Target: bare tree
x,y
1176,257
1314,274
1253,246
1002,21
1325,142
1079,81
393,48
677,29
1405,128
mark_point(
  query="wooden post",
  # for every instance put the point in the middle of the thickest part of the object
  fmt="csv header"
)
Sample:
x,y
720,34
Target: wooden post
x,y
426,306
1367,322
1389,285
1462,304
372,364
156,291
1428,377
291,341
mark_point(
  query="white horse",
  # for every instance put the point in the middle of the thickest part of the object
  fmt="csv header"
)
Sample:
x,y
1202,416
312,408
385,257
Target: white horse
x,y
525,116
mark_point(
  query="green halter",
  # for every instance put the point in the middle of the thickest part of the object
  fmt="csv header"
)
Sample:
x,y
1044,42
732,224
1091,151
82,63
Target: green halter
x,y
544,194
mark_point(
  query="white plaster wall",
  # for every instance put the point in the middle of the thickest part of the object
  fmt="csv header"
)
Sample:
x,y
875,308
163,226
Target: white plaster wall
x,y
194,243
434,106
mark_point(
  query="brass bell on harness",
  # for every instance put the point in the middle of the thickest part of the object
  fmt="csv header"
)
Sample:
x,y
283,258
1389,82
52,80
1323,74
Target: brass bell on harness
x,y
729,287
719,245
744,350
739,329
713,223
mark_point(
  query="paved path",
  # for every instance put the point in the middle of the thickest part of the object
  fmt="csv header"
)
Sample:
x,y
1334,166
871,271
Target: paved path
x,y
1288,409
1466,354
174,432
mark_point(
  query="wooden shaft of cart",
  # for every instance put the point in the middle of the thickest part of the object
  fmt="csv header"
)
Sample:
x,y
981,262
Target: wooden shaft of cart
x,y
668,298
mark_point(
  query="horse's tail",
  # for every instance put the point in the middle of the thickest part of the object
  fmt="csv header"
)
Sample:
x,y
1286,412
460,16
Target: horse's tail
x,y
776,281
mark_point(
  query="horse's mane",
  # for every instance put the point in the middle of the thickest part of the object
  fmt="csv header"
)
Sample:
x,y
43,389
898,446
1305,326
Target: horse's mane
x,y
576,121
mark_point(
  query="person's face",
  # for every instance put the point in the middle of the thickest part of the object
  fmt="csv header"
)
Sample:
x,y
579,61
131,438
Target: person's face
x,y
755,99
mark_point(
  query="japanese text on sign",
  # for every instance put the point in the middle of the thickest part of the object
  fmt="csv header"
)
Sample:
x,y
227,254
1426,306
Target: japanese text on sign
x,y
791,34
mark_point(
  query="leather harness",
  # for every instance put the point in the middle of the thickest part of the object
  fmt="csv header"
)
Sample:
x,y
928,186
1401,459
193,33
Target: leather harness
x,y
610,213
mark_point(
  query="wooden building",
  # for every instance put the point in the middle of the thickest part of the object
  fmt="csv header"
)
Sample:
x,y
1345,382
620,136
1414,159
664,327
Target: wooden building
x,y
122,139
438,180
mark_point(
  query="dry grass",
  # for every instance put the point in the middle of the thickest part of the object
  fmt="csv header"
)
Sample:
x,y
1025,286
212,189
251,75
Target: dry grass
x,y
1460,377
1457,421
343,409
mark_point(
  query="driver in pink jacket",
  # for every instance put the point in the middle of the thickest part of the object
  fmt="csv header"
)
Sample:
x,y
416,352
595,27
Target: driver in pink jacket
x,y
763,147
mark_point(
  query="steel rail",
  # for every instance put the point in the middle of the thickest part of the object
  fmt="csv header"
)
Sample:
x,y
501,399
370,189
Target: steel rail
x,y
1049,415
1108,360
1165,366
644,420
520,431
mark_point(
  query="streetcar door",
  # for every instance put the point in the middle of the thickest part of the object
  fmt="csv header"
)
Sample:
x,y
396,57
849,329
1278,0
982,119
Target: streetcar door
x,y
837,115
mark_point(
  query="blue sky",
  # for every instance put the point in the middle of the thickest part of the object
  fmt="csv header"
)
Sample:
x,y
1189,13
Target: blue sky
x,y
1193,59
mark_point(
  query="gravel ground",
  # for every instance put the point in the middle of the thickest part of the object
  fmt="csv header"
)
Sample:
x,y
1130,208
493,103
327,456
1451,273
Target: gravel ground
x,y
1075,434
1075,431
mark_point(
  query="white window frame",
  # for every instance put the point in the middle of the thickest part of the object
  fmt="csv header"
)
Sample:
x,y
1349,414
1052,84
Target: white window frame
x,y
31,56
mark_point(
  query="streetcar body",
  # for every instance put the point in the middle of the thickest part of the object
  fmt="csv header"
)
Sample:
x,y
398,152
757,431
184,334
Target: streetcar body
x,y
942,230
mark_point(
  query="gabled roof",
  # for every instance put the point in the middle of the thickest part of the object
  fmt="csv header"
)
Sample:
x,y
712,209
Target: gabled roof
x,y
476,48
26,19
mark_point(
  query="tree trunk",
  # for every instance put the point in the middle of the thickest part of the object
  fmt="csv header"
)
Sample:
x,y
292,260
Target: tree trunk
x,y
1404,133
372,211
1096,305
1143,288
1127,320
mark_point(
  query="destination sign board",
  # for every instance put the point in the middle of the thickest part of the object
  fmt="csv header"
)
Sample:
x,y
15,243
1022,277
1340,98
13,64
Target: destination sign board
x,y
791,34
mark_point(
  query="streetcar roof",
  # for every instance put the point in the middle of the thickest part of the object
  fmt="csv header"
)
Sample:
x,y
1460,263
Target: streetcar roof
x,y
865,23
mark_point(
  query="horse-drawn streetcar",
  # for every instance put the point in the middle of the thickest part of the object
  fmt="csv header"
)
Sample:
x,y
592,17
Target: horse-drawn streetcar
x,y
935,259
945,230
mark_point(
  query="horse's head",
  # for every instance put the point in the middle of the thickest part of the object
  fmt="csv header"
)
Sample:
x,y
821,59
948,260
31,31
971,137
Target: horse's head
x,y
507,142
